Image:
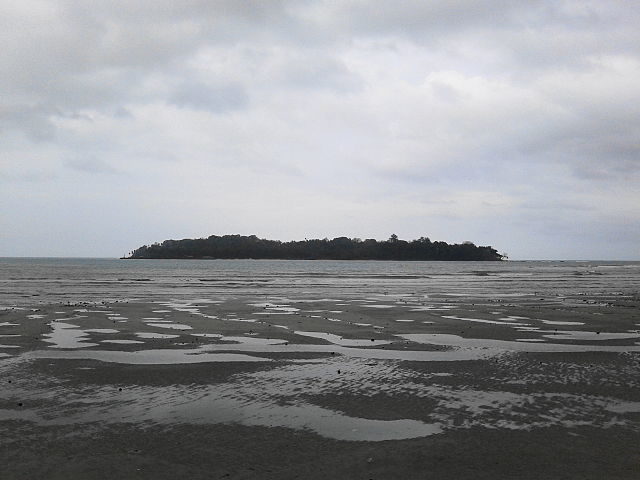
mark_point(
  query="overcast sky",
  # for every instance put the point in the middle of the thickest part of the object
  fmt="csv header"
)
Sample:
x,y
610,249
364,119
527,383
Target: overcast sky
x,y
508,123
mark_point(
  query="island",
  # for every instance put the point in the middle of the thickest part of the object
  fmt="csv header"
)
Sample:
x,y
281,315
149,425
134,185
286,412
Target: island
x,y
340,248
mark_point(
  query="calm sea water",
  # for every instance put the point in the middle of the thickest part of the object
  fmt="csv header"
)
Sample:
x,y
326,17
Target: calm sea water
x,y
30,281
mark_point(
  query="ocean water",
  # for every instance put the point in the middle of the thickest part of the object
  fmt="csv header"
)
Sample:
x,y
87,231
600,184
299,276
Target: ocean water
x,y
33,281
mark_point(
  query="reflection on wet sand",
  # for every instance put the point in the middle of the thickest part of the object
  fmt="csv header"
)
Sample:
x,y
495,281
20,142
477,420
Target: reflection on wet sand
x,y
300,365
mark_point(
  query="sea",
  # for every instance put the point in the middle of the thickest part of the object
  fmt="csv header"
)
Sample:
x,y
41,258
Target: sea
x,y
38,281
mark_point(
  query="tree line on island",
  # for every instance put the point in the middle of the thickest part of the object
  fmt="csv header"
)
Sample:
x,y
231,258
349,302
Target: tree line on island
x,y
340,248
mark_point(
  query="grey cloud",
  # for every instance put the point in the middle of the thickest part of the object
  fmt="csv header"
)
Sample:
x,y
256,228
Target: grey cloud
x,y
530,34
418,18
92,165
121,112
28,177
214,98
32,120
67,56
320,72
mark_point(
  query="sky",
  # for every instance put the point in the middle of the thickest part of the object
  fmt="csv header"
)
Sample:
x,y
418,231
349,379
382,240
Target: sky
x,y
511,123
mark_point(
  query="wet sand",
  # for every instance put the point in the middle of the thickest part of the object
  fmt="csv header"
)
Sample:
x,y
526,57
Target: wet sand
x,y
387,386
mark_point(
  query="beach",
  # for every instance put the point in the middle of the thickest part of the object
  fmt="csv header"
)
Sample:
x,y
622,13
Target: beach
x,y
320,370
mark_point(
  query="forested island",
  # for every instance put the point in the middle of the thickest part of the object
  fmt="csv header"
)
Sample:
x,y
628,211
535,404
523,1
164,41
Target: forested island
x,y
340,248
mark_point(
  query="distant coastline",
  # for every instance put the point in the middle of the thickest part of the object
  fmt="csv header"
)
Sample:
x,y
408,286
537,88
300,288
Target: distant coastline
x,y
340,248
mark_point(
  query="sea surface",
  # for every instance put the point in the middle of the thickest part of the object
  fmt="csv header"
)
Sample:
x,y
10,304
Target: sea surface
x,y
33,281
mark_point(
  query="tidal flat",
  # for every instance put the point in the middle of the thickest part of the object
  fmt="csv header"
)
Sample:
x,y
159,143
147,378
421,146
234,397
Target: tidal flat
x,y
319,370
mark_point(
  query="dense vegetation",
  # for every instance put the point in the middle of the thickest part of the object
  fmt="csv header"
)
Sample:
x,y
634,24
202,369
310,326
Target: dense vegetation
x,y
341,248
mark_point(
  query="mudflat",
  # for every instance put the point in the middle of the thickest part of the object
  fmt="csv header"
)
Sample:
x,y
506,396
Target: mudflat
x,y
383,386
